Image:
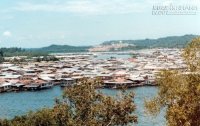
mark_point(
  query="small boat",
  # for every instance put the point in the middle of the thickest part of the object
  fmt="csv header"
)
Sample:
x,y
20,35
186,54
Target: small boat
x,y
118,84
46,85
68,82
5,87
18,87
32,87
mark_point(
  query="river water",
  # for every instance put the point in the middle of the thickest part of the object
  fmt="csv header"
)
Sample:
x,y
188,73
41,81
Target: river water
x,y
12,104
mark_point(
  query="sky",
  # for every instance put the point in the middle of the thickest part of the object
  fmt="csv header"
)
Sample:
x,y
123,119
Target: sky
x,y
39,23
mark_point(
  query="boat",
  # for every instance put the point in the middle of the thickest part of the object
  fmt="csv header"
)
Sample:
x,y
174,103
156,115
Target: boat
x,y
18,87
5,87
68,82
32,87
38,85
46,85
115,84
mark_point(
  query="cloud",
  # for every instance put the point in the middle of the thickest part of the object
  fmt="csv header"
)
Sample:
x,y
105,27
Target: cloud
x,y
7,34
98,7
91,7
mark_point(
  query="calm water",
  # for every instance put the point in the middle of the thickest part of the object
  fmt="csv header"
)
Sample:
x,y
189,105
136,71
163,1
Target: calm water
x,y
12,104
107,56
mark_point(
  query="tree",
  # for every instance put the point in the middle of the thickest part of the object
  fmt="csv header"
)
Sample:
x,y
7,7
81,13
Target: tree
x,y
82,105
94,108
179,91
1,56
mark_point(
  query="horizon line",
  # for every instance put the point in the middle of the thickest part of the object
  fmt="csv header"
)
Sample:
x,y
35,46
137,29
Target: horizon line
x,y
100,42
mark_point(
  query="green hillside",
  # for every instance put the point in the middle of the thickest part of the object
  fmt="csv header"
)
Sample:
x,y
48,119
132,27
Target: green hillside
x,y
165,42
169,42
63,48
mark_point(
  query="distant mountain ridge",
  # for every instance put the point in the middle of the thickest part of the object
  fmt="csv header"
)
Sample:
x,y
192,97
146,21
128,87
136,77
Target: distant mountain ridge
x,y
62,48
114,45
165,42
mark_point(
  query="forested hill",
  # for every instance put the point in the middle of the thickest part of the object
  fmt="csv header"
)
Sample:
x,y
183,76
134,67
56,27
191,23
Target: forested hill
x,y
62,48
34,52
14,51
171,41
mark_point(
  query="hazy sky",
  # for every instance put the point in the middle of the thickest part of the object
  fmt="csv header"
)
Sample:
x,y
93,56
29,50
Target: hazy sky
x,y
37,23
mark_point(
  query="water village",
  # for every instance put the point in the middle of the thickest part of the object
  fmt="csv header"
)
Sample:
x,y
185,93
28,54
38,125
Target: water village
x,y
116,73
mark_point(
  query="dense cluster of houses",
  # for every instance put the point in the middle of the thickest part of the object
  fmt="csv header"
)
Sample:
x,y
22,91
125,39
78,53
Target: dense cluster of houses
x,y
114,46
115,72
